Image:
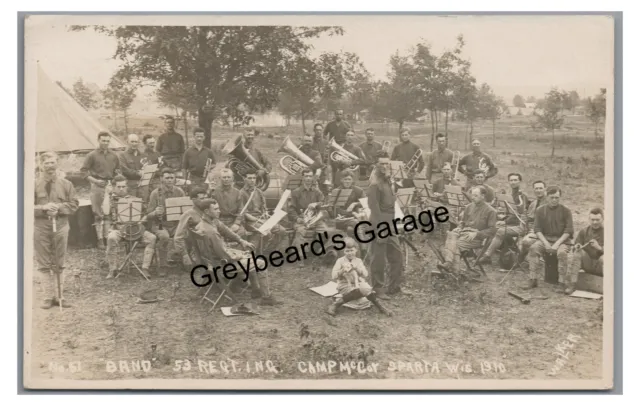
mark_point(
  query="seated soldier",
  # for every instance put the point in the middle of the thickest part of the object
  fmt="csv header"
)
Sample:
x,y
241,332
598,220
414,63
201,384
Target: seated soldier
x,y
478,223
513,225
156,218
478,180
446,179
352,148
256,209
540,194
115,234
346,178
230,201
350,274
589,246
553,225
215,233
189,219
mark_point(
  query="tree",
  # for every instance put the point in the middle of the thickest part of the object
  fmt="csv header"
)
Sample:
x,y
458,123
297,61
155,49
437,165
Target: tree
x,y
596,109
118,96
551,117
469,107
84,95
574,101
179,97
518,101
491,106
531,99
232,69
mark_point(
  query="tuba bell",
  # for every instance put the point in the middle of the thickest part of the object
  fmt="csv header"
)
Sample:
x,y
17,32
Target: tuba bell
x,y
341,155
296,161
241,162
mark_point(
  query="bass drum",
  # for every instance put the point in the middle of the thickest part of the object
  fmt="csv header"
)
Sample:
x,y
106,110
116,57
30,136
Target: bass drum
x,y
273,193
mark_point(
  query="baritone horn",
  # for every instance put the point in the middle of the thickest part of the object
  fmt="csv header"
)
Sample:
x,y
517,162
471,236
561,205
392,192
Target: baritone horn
x,y
296,160
341,155
241,162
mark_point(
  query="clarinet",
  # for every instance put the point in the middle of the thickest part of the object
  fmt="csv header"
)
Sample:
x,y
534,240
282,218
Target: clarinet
x,y
160,204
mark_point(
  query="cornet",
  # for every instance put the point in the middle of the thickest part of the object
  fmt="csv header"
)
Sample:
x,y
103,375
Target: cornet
x,y
341,155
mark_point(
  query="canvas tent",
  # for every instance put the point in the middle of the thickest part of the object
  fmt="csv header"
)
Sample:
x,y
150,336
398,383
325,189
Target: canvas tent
x,y
63,125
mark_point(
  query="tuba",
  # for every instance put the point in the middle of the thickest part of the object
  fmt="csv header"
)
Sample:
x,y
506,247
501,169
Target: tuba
x,y
241,162
296,161
341,155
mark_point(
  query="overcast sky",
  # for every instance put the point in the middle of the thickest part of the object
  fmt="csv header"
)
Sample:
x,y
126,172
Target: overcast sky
x,y
513,54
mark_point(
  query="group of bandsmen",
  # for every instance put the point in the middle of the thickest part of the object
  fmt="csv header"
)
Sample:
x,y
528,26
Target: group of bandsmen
x,y
225,213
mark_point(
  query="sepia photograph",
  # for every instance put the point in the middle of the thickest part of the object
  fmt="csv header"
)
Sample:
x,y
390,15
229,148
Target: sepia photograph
x,y
318,202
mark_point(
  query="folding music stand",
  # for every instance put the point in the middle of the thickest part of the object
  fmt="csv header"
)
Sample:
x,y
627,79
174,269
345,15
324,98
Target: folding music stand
x,y
338,199
404,197
176,206
147,175
129,212
397,170
455,199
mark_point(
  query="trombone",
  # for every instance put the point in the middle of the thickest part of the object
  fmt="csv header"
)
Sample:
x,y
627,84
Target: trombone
x,y
410,166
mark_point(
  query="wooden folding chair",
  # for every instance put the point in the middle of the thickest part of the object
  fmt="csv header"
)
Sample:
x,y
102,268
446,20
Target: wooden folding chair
x,y
204,256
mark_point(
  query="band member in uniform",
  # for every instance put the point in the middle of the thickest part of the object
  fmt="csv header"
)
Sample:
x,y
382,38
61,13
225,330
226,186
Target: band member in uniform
x,y
553,225
478,180
100,166
170,145
230,202
319,140
337,129
511,226
476,160
307,196
189,219
540,194
115,234
249,144
346,177
436,159
350,274
257,208
55,200
308,149
404,151
445,180
351,147
381,201
589,246
156,217
370,149
478,223
195,159
131,164
149,157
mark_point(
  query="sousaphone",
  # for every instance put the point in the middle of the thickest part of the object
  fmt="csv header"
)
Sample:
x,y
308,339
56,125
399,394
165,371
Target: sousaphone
x,y
241,162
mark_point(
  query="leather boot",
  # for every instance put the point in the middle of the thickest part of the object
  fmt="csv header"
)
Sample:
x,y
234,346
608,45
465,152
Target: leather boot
x,y
374,299
333,307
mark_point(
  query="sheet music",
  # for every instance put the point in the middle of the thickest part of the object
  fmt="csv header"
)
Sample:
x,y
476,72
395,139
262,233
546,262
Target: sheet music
x,y
283,200
365,205
272,221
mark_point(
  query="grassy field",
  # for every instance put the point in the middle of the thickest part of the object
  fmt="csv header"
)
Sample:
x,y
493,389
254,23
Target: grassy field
x,y
474,331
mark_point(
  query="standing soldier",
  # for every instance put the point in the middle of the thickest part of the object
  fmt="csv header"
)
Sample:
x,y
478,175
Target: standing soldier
x,y
319,140
436,159
150,157
195,159
100,167
405,151
131,164
381,201
370,149
170,145
55,200
351,147
474,161
337,129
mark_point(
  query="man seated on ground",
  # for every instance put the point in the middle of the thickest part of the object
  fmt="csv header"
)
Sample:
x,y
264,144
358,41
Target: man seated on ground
x,y
478,223
478,180
356,194
189,219
157,219
553,225
540,199
230,201
589,245
514,224
116,234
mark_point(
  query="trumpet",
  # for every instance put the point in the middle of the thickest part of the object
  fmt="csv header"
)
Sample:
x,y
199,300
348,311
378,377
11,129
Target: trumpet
x,y
294,163
341,155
